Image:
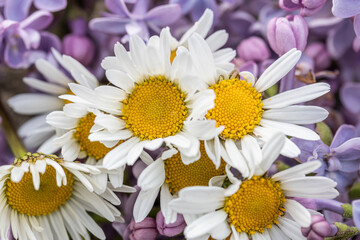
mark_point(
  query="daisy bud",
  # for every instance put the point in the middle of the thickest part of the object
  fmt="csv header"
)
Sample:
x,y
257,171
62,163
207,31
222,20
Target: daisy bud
x,y
319,228
253,49
144,230
286,33
307,7
171,229
317,51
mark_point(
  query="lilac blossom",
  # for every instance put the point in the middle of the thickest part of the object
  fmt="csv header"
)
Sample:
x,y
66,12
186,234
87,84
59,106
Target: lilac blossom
x,y
253,49
20,38
319,228
307,7
140,21
340,160
286,33
347,9
171,229
196,7
77,44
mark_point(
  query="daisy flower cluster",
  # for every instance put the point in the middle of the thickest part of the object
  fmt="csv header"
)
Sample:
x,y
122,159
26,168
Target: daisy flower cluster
x,y
174,120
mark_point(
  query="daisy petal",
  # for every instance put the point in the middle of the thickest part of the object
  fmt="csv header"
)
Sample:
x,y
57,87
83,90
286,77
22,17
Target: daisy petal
x,y
298,212
277,70
297,114
298,95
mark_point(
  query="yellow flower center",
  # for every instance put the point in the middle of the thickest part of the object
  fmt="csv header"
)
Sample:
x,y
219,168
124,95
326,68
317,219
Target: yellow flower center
x,y
238,107
178,175
256,205
94,149
155,109
23,198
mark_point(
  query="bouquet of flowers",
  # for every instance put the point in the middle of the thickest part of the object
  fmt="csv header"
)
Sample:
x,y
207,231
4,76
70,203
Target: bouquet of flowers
x,y
179,119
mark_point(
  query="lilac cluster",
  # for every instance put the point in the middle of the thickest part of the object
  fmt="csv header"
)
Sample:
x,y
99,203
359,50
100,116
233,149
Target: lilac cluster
x,y
326,31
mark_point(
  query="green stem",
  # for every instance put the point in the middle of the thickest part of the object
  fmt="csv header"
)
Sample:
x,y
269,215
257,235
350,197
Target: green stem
x,y
12,138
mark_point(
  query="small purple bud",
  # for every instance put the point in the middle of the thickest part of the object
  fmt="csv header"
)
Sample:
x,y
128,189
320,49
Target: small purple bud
x,y
144,230
253,49
79,47
319,228
317,51
171,229
288,32
307,7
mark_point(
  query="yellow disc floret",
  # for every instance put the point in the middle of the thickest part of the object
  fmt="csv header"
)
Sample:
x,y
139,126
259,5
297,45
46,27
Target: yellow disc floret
x,y
23,197
155,109
178,175
94,149
256,205
238,107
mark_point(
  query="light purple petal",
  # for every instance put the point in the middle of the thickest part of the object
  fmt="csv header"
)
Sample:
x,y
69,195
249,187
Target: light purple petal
x,y
164,15
201,6
345,8
250,67
288,5
357,25
307,147
14,54
350,97
38,20
340,39
50,5
350,166
186,5
356,212
301,31
110,25
349,150
117,6
344,133
284,37
17,10
140,8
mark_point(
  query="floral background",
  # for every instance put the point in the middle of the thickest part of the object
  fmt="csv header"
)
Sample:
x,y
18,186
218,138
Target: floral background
x,y
326,31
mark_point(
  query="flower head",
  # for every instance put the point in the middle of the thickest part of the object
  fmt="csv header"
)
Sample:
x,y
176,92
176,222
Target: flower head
x,y
245,116
43,195
260,206
153,102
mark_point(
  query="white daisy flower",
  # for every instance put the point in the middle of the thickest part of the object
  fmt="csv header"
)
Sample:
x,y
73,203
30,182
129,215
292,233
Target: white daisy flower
x,y
35,131
168,175
260,207
215,41
45,197
247,117
153,102
73,126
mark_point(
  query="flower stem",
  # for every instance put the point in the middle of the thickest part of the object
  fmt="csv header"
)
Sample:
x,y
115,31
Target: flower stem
x,y
12,138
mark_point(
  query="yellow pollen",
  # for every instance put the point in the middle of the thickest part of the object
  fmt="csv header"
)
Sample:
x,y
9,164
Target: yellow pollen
x,y
178,175
256,205
94,149
155,109
172,55
238,107
23,197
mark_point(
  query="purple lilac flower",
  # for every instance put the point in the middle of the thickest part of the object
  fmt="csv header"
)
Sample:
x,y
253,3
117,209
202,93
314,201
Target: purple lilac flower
x,y
20,38
253,49
347,9
196,7
171,229
77,44
144,230
17,10
307,7
340,161
286,33
318,52
140,21
319,228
